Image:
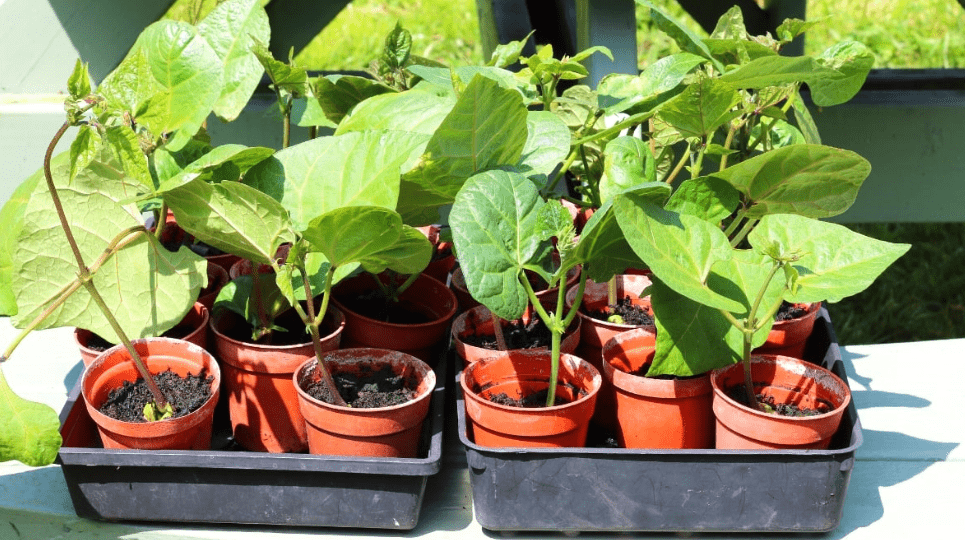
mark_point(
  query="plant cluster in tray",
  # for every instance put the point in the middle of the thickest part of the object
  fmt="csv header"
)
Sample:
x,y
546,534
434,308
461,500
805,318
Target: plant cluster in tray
x,y
483,149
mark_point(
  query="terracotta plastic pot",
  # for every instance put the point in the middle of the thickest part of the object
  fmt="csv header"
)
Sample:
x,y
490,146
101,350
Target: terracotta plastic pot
x,y
788,380
262,401
519,374
652,412
196,319
595,332
109,371
479,321
217,279
789,337
224,260
427,296
378,432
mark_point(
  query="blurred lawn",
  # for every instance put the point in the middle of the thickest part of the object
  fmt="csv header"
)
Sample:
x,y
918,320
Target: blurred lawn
x,y
921,297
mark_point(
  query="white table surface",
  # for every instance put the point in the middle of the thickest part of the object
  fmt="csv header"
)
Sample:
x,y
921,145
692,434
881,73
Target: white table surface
x,y
908,482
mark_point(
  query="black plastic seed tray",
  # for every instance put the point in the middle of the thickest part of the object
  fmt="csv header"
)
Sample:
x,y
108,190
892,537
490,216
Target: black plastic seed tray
x,y
615,489
238,486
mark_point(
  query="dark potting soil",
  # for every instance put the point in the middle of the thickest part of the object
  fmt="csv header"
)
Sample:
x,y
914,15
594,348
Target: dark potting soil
x,y
531,401
631,314
789,311
368,390
186,395
518,335
738,394
374,305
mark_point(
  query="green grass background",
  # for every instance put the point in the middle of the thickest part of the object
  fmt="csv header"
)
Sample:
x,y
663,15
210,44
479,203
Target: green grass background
x,y
920,297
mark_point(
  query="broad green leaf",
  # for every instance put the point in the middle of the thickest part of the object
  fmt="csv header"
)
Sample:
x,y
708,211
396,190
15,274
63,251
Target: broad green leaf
x,y
131,85
702,108
691,338
678,248
809,180
316,265
227,162
11,222
416,110
485,129
410,254
229,29
850,61
353,233
743,277
547,143
708,198
308,113
185,77
85,149
602,247
127,150
834,262
320,175
232,217
336,95
148,287
625,162
774,71
492,220
29,431
168,164
659,83
419,206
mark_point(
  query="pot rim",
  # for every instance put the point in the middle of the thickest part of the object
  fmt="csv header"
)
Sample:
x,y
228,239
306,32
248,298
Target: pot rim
x,y
597,380
428,375
716,374
450,313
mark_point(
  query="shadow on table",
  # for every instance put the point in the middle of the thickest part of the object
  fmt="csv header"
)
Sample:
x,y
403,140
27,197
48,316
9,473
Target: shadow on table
x,y
863,505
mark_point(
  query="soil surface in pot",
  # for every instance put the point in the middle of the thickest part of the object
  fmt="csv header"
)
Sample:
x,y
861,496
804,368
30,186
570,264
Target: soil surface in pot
x,y
186,395
519,335
629,313
368,390
294,330
738,394
790,311
531,401
375,305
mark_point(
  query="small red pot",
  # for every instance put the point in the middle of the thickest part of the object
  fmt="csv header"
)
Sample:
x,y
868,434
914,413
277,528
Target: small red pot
x,y
114,366
196,318
428,295
789,337
650,412
521,373
479,321
378,432
262,401
788,380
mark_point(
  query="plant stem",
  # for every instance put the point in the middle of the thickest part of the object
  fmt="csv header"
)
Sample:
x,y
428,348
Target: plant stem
x,y
611,291
743,232
313,323
405,285
86,278
732,227
498,332
727,142
677,168
161,220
